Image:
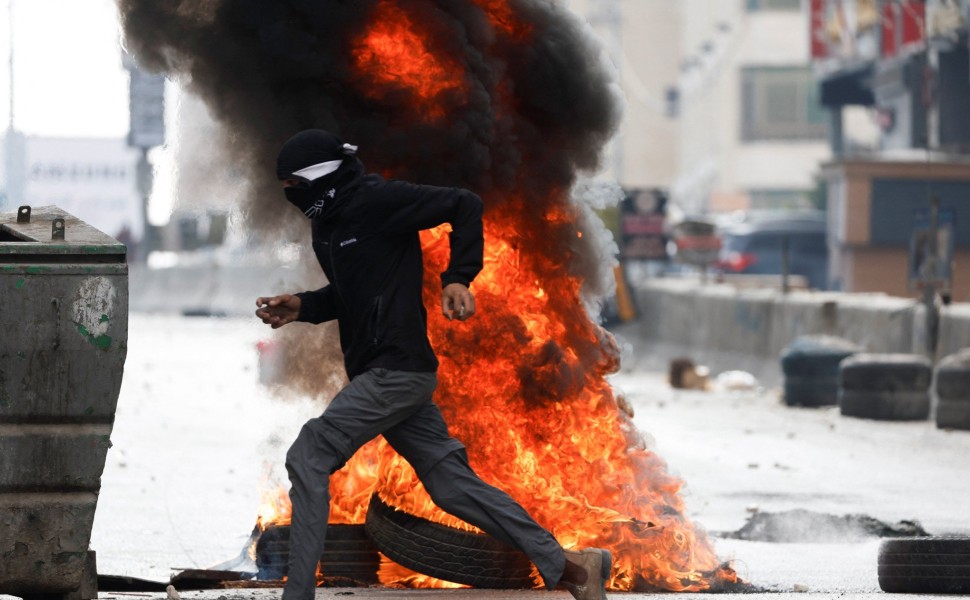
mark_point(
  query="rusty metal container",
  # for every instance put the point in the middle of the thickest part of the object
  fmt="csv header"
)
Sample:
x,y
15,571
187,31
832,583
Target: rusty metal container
x,y
63,342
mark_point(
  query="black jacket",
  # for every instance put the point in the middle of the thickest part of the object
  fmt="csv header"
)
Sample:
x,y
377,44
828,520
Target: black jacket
x,y
367,242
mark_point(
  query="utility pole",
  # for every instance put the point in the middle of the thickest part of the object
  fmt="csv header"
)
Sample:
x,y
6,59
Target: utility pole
x,y
146,103
13,168
10,122
930,280
931,95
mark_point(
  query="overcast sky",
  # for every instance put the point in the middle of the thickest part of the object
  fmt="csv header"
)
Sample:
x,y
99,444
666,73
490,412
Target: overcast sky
x,y
68,78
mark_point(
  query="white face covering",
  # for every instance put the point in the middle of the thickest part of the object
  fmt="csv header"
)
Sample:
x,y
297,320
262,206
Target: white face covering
x,y
319,170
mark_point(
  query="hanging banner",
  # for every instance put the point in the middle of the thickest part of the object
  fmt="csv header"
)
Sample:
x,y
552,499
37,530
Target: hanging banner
x,y
820,45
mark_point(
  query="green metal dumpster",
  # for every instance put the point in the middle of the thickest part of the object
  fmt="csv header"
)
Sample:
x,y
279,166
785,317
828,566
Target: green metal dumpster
x,y
63,342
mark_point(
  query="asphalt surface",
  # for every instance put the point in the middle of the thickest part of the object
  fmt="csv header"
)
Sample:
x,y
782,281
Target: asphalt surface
x,y
197,437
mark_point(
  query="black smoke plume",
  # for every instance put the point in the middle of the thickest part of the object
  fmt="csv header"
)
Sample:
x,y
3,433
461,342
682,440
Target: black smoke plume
x,y
269,68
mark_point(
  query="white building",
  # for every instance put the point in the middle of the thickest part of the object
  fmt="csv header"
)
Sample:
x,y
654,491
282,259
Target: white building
x,y
723,106
94,179
752,131
642,38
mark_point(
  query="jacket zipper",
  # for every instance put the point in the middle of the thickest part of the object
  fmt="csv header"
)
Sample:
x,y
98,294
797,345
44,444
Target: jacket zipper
x,y
333,267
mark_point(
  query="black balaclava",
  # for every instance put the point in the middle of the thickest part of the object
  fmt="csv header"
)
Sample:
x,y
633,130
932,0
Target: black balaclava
x,y
310,148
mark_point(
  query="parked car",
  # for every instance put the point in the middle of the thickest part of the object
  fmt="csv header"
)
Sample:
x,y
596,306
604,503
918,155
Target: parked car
x,y
696,242
756,248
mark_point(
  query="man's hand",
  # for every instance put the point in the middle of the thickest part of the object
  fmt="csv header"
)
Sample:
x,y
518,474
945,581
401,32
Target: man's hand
x,y
457,302
278,310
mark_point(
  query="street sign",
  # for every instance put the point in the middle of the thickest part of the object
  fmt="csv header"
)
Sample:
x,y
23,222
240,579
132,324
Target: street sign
x,y
642,225
919,249
146,103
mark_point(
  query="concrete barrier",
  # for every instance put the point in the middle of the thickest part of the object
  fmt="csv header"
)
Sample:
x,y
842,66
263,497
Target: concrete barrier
x,y
210,288
727,327
723,326
954,329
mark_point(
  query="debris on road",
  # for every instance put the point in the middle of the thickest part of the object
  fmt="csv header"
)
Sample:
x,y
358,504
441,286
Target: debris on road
x,y
683,374
736,381
808,526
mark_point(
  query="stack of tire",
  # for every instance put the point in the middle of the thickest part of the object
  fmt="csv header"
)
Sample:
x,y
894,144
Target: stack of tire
x,y
349,556
352,553
888,387
930,565
953,391
810,365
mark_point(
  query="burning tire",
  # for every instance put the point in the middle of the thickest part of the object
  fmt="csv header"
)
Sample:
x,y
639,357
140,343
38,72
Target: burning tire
x,y
937,565
447,553
811,368
889,387
348,554
953,391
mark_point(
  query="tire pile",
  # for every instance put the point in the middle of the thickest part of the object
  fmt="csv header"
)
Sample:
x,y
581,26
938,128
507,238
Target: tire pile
x,y
352,554
811,368
350,557
822,370
889,387
953,391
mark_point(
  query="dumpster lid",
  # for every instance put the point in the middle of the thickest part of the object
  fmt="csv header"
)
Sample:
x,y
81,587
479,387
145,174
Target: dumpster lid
x,y
51,234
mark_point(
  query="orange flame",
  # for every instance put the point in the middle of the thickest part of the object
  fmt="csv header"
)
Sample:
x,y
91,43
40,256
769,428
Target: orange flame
x,y
504,19
392,574
274,508
397,57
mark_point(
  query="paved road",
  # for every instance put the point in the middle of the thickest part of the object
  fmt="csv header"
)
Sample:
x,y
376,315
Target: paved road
x,y
196,436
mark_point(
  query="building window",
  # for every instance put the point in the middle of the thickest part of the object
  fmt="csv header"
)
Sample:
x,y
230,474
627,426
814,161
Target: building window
x,y
756,5
781,103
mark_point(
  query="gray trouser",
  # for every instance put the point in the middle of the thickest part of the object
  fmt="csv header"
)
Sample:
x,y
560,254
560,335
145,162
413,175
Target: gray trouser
x,y
398,405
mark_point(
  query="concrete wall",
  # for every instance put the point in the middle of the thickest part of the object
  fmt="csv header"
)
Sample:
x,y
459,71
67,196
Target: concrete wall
x,y
730,328
210,288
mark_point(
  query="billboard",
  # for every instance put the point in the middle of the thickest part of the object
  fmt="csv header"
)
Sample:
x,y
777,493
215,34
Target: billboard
x,y
92,178
642,225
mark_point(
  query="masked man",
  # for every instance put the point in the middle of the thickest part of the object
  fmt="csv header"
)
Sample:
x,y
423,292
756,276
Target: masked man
x,y
365,236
